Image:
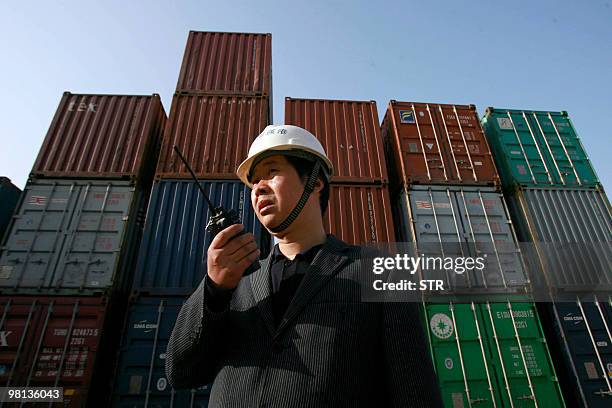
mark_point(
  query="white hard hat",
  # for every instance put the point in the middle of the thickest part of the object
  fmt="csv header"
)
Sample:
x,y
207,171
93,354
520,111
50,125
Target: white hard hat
x,y
286,139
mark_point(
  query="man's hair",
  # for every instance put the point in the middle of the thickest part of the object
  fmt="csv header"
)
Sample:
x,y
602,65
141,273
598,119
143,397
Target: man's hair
x,y
303,168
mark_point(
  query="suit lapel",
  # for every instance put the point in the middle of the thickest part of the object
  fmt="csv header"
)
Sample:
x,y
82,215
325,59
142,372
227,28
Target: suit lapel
x,y
260,284
324,266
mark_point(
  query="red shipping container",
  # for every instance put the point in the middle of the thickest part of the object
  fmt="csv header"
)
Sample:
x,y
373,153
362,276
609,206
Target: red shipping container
x,y
350,133
67,342
227,63
359,214
102,136
213,132
437,144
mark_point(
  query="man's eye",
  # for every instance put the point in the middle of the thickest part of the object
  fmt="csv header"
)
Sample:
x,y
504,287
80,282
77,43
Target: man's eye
x,y
271,170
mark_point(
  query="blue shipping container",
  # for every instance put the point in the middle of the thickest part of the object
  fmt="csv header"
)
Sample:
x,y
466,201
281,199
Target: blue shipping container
x,y
172,259
581,334
9,196
141,380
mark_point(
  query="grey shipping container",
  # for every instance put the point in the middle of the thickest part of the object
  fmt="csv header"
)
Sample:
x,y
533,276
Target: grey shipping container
x,y
572,229
172,259
141,377
72,237
9,196
464,221
579,333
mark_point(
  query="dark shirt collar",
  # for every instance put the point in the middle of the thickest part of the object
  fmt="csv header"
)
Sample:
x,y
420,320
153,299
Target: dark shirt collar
x,y
308,254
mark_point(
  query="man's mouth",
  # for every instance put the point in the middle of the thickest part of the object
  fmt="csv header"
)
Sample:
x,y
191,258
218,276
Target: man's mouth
x,y
261,205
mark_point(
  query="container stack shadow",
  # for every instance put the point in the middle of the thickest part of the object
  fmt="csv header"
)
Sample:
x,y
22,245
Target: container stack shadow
x,y
222,102
484,331
68,256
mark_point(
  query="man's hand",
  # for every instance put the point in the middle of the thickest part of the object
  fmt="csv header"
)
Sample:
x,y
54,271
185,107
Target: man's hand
x,y
229,255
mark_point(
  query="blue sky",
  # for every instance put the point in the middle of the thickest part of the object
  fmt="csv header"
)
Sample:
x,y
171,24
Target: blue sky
x,y
547,55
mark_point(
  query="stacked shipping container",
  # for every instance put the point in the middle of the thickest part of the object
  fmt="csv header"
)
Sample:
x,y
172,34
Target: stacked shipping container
x,y
446,199
359,206
222,102
557,203
68,256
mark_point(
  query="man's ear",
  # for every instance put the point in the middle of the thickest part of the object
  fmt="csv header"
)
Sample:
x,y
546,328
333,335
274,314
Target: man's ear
x,y
318,185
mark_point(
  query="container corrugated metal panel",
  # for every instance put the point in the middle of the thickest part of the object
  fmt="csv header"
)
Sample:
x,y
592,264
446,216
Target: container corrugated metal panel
x,y
67,342
437,144
349,132
476,218
72,237
492,355
538,149
573,232
227,63
9,197
101,136
141,377
172,259
213,132
359,214
581,334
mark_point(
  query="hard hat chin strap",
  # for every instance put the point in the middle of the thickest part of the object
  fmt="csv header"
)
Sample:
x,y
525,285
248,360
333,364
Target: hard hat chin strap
x,y
308,189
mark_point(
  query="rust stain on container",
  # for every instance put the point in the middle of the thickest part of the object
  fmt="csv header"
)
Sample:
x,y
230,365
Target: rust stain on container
x,y
213,132
359,214
437,144
227,63
350,133
67,342
94,136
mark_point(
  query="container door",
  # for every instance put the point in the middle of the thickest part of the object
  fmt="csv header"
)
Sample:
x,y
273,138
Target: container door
x,y
460,356
521,149
420,144
519,349
439,231
141,378
490,234
465,145
585,329
96,236
32,249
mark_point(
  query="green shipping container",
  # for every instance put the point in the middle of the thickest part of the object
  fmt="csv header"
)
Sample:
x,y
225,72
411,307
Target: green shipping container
x,y
491,355
537,149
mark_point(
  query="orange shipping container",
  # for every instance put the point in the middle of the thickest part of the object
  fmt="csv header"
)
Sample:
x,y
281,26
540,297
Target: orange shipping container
x,y
350,133
227,63
102,136
213,132
437,144
359,214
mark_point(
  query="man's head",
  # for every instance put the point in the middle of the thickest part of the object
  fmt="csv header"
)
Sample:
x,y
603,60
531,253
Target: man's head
x,y
288,172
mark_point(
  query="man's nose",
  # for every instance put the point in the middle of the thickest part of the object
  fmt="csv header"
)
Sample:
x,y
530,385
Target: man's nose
x,y
260,188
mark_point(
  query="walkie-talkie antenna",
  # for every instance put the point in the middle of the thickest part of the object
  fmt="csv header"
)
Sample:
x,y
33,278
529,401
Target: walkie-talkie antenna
x,y
210,204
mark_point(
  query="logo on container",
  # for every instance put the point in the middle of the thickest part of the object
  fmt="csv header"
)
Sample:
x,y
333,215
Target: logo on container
x,y
441,326
406,116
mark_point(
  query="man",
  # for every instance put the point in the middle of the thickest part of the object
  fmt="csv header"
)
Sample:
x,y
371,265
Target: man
x,y
295,333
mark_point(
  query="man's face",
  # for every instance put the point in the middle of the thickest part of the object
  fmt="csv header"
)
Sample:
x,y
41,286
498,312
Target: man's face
x,y
277,188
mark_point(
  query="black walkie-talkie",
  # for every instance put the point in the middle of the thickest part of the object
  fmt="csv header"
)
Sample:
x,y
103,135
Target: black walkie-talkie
x,y
220,218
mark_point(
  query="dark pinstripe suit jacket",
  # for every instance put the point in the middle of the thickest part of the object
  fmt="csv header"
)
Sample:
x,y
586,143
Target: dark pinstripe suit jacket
x,y
330,349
